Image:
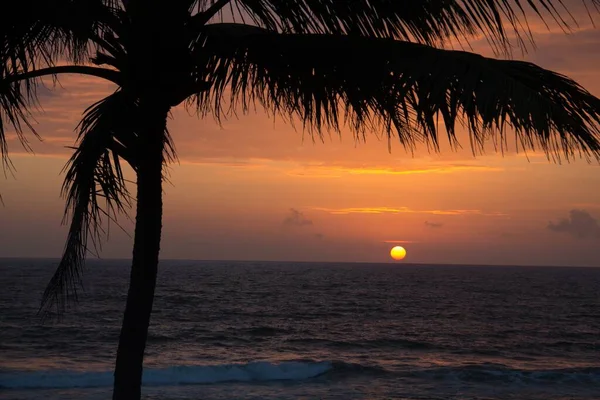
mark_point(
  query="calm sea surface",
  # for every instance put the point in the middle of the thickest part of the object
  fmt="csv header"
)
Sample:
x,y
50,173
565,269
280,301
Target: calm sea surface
x,y
256,330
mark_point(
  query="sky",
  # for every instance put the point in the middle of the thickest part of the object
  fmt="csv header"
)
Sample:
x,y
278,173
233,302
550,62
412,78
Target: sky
x,y
258,189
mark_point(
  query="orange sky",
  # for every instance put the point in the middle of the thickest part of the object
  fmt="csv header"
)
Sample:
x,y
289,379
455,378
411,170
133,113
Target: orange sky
x,y
255,190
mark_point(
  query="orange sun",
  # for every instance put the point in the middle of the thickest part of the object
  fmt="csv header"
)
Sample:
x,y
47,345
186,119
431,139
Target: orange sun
x,y
398,253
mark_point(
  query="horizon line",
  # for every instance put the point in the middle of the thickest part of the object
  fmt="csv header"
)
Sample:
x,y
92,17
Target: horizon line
x,y
322,262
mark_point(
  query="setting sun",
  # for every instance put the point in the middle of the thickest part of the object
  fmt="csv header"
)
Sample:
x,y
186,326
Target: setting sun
x,y
398,253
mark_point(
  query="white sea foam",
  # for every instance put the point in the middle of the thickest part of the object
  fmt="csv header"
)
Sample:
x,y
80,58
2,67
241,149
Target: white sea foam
x,y
180,375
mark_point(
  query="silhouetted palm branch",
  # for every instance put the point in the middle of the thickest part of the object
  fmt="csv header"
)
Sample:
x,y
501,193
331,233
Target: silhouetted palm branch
x,y
95,187
400,86
424,21
93,173
36,36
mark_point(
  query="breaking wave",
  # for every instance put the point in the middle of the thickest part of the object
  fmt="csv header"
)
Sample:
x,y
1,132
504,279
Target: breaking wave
x,y
179,375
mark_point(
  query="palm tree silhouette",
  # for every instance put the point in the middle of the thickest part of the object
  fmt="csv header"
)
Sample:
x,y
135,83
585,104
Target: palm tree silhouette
x,y
373,64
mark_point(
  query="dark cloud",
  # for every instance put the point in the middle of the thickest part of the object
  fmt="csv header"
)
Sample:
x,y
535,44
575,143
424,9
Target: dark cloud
x,y
433,224
296,218
580,224
319,236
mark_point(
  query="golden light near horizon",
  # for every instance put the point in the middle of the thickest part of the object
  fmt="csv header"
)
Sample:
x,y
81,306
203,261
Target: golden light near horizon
x,y
398,253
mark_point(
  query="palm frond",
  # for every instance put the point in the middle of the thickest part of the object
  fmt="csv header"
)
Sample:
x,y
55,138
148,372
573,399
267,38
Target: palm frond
x,y
95,188
37,34
16,101
424,21
401,87
93,174
46,31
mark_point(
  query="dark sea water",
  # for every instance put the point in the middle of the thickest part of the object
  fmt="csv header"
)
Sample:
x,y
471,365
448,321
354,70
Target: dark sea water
x,y
255,330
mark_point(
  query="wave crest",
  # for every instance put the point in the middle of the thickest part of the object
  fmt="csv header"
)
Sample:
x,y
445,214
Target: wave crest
x,y
180,375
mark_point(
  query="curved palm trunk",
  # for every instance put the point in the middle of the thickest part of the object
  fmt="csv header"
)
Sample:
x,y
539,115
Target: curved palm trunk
x,y
134,332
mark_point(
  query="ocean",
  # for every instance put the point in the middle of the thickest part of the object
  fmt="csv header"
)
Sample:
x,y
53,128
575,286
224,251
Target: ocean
x,y
274,330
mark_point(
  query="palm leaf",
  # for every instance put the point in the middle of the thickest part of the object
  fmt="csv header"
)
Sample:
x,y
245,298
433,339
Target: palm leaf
x,y
15,103
93,174
424,21
95,188
399,86
37,34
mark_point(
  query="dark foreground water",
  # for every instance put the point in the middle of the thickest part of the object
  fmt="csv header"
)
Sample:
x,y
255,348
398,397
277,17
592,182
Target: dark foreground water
x,y
248,330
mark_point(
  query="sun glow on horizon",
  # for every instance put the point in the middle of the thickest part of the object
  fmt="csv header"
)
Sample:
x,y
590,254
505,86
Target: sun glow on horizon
x,y
398,253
